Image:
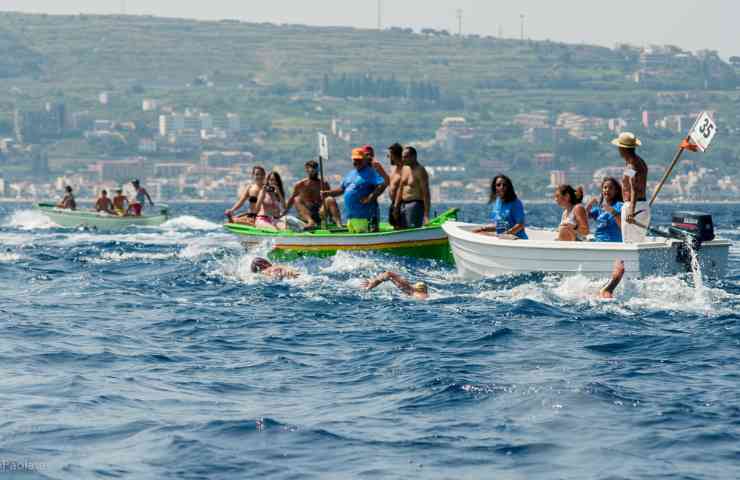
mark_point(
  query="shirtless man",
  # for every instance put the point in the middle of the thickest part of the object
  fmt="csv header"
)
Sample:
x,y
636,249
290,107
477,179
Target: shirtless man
x,y
307,199
634,189
375,218
120,203
140,198
412,202
278,272
418,291
103,203
394,156
68,201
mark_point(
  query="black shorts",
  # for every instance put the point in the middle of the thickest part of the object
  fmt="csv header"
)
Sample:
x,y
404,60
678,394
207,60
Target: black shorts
x,y
315,210
412,214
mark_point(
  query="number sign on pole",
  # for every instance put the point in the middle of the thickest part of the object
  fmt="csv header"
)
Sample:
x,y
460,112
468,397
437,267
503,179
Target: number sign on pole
x,y
703,131
323,146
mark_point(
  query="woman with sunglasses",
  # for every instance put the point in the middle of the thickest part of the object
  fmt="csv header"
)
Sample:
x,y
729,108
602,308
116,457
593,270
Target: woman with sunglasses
x,y
507,214
250,195
270,203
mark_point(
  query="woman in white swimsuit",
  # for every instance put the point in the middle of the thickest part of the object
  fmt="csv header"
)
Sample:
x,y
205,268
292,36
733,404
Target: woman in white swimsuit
x,y
574,221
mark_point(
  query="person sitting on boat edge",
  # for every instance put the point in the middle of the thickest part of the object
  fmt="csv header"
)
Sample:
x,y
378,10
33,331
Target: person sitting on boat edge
x,y
68,201
270,203
120,203
607,211
574,220
307,199
278,272
634,189
507,214
248,195
413,201
103,203
418,290
375,217
140,198
360,188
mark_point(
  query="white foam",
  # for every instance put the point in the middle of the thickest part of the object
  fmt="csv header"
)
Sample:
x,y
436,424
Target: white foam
x,y
346,262
110,257
29,220
188,222
16,239
9,257
633,296
202,246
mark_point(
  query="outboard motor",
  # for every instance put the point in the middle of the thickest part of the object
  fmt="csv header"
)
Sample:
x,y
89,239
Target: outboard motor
x,y
693,228
694,225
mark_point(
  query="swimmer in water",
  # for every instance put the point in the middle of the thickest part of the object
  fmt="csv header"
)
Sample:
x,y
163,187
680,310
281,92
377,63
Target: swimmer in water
x,y
607,292
418,290
278,272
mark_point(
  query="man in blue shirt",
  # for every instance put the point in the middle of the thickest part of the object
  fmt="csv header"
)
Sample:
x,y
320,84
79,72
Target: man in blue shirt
x,y
361,187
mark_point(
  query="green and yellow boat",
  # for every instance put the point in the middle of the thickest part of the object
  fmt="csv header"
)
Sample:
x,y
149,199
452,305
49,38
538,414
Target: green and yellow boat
x,y
429,241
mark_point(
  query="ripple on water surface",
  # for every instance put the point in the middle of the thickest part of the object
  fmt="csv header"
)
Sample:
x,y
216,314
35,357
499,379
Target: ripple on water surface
x,y
156,353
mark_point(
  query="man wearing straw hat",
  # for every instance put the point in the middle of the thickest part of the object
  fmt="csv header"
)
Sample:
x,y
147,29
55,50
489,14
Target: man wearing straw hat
x,y
634,189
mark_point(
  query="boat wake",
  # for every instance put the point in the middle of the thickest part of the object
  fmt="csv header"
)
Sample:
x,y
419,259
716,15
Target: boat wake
x,y
189,222
29,220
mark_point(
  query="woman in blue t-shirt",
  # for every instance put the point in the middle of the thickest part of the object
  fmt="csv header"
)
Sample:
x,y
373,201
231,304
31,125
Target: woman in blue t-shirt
x,y
507,214
607,213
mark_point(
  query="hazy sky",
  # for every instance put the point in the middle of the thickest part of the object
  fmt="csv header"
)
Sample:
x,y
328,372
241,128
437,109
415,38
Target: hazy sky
x,y
691,24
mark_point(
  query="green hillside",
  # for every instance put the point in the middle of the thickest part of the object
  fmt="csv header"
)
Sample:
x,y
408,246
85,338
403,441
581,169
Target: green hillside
x,y
276,77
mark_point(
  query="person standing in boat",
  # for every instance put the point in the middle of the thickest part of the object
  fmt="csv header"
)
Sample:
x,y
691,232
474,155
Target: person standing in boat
x,y
103,203
68,201
361,187
413,200
574,221
375,218
607,212
248,195
270,203
120,203
307,199
394,156
507,214
634,189
140,198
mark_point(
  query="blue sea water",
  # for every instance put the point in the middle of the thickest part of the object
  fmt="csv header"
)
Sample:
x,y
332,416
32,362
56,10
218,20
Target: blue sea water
x,y
154,353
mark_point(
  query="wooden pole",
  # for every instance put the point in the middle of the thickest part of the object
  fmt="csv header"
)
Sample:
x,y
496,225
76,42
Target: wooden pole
x,y
323,200
667,174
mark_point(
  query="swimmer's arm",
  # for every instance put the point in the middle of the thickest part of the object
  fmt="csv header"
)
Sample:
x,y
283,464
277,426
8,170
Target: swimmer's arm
x,y
401,283
375,281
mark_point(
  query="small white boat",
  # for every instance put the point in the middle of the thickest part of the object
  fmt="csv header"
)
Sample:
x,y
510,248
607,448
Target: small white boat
x,y
477,255
100,220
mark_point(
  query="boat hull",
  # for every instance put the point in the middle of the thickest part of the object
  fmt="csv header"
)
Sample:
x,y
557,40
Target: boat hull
x,y
479,256
426,242
101,221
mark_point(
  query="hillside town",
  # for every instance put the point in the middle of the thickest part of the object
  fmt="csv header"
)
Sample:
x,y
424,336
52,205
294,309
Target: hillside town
x,y
185,153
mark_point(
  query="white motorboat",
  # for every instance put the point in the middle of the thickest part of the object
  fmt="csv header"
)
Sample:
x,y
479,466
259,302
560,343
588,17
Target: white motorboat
x,y
101,220
478,255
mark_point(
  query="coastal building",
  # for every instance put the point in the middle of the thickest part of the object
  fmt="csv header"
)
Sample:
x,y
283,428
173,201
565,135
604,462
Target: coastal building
x,y
121,171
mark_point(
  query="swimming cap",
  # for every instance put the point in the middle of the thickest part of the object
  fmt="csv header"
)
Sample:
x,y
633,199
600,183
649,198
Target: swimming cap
x,y
259,264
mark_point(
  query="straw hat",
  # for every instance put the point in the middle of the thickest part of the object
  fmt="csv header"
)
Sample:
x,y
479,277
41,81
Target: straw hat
x,y
627,140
